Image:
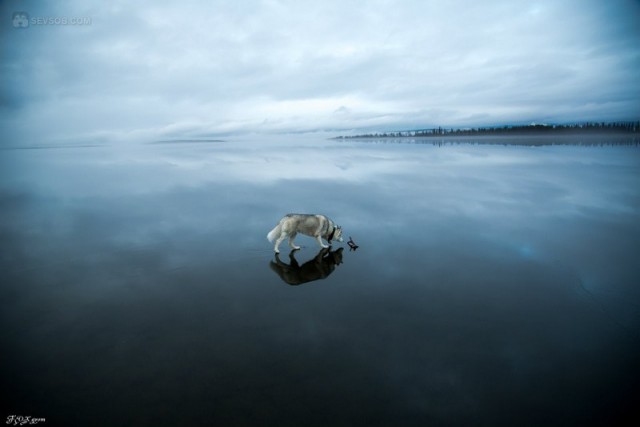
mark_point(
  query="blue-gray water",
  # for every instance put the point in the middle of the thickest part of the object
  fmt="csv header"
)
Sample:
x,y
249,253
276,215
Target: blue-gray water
x,y
494,284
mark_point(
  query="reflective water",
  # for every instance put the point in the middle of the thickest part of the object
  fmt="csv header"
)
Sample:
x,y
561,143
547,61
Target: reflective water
x,y
493,285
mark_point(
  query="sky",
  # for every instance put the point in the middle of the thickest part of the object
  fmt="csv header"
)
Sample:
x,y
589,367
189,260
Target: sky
x,y
157,69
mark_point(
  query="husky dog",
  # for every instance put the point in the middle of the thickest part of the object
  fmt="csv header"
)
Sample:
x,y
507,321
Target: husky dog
x,y
318,226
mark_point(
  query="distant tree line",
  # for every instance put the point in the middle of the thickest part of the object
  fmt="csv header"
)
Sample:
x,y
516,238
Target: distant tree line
x,y
533,129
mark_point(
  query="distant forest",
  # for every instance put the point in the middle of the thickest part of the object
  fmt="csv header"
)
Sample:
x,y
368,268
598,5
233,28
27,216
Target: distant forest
x,y
533,129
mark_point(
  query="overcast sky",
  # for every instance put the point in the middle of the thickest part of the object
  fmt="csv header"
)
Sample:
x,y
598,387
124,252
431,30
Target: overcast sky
x,y
160,69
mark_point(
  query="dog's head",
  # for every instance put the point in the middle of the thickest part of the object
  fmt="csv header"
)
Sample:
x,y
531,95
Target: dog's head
x,y
336,234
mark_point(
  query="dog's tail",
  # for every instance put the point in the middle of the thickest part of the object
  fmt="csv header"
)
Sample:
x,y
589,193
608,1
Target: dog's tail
x,y
274,233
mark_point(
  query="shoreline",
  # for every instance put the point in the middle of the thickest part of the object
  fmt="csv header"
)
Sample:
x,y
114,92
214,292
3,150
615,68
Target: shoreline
x,y
542,139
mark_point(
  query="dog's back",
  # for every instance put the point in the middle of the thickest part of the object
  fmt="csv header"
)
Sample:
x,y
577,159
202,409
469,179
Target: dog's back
x,y
297,223
303,223
318,226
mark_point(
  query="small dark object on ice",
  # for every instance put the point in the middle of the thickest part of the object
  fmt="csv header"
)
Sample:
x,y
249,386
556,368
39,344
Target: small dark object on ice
x,y
352,244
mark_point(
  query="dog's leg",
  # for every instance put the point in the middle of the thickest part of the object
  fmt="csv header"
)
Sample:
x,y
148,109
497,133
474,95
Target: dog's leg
x,y
279,261
278,241
291,237
293,262
319,239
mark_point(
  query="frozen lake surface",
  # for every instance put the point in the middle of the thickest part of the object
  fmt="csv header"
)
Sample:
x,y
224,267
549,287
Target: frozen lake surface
x,y
494,284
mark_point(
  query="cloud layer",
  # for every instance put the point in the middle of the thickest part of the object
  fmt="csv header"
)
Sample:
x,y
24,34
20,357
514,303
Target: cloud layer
x,y
160,69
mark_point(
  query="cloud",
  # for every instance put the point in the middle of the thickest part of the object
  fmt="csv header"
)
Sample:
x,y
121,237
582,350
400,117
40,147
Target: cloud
x,y
155,68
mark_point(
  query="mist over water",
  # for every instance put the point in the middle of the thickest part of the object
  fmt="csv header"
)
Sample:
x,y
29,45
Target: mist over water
x,y
493,285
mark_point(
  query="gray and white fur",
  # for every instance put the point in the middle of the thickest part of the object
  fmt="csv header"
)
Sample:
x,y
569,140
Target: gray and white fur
x,y
318,226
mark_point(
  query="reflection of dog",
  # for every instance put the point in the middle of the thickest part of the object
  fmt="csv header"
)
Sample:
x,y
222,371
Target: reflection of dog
x,y
318,226
319,267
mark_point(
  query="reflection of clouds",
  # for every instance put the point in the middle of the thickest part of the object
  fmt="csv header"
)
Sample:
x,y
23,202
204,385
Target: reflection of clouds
x,y
388,182
481,182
